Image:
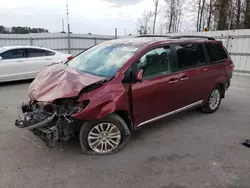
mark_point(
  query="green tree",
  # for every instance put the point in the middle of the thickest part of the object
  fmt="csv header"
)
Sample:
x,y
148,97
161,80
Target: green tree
x,y
26,30
2,29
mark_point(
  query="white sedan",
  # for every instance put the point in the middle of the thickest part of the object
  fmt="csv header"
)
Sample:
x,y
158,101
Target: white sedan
x,y
24,62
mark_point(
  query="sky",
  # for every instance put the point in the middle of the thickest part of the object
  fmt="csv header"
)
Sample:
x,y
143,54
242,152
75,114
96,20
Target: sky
x,y
85,16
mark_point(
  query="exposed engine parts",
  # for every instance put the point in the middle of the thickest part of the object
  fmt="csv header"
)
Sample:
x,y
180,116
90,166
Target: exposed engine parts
x,y
52,122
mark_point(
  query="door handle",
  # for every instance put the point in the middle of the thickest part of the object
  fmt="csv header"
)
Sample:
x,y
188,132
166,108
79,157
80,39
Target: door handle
x,y
205,69
184,78
47,59
19,60
173,81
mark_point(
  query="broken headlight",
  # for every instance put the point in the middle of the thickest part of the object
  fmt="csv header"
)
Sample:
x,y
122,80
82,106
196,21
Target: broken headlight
x,y
80,107
70,106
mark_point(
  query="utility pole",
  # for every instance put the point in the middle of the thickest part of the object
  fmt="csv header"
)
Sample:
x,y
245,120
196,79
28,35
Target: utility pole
x,y
67,13
63,25
115,33
229,25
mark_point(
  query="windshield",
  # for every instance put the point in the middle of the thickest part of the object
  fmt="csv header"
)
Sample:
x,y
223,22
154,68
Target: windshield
x,y
104,59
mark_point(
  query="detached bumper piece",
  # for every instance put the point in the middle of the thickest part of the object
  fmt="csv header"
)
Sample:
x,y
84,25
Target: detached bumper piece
x,y
48,126
247,143
50,135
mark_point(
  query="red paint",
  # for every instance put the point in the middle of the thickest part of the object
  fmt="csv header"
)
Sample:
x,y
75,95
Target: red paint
x,y
150,98
70,57
59,81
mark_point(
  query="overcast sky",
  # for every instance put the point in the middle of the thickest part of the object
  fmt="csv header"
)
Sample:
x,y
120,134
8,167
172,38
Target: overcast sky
x,y
86,16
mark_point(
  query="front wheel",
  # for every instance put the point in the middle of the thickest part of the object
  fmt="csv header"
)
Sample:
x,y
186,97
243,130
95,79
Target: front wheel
x,y
213,102
106,136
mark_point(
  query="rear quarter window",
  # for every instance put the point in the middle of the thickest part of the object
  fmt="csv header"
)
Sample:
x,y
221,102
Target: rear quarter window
x,y
49,53
216,52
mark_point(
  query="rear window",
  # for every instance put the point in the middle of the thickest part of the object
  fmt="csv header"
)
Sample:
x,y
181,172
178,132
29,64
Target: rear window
x,y
36,53
216,52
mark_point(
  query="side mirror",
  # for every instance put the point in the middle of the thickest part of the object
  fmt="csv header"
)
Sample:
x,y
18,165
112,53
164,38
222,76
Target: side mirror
x,y
139,76
1,58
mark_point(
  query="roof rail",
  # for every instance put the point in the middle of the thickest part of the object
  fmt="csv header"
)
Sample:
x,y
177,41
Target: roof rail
x,y
152,35
191,36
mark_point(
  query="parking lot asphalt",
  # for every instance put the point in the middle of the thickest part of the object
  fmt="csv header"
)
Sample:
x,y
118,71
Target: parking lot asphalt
x,y
191,150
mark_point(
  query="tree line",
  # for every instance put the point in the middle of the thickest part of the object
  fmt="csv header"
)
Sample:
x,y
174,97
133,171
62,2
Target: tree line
x,y
22,30
210,14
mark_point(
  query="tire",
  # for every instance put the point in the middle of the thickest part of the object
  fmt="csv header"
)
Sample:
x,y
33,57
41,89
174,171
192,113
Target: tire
x,y
213,102
110,130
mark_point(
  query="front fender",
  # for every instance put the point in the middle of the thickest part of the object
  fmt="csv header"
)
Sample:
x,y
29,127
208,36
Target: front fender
x,y
104,101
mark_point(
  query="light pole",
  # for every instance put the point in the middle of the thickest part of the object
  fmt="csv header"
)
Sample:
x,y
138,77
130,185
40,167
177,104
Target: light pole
x,y
67,13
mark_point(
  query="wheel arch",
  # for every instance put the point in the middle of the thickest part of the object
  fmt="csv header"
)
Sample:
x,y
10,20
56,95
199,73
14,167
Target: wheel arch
x,y
126,117
86,127
221,86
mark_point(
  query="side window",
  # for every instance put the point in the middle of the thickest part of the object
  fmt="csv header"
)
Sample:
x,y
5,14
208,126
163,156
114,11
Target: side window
x,y
190,55
49,53
36,53
156,62
216,52
13,54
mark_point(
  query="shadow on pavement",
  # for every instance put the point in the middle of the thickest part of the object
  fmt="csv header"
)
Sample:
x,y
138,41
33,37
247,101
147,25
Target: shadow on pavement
x,y
10,83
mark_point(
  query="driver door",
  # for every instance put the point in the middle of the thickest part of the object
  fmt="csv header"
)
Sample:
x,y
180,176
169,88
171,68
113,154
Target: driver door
x,y
154,97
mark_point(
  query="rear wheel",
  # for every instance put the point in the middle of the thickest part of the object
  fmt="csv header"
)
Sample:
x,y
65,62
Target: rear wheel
x,y
213,101
106,136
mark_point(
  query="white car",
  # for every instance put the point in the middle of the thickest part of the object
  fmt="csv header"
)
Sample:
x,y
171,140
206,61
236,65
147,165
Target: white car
x,y
24,62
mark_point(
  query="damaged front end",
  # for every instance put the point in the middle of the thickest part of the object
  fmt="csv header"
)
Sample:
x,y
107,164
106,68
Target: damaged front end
x,y
54,98
51,121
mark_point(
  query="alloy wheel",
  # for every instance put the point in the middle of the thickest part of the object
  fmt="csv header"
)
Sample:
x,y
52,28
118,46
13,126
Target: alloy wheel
x,y
214,99
104,137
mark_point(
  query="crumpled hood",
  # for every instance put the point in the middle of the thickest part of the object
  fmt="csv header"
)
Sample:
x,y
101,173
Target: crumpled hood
x,y
59,81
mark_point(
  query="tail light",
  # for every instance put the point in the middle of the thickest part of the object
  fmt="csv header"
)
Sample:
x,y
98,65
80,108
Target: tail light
x,y
230,62
70,57
232,66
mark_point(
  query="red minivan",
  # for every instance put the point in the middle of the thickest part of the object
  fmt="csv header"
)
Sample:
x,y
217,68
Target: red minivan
x,y
110,90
